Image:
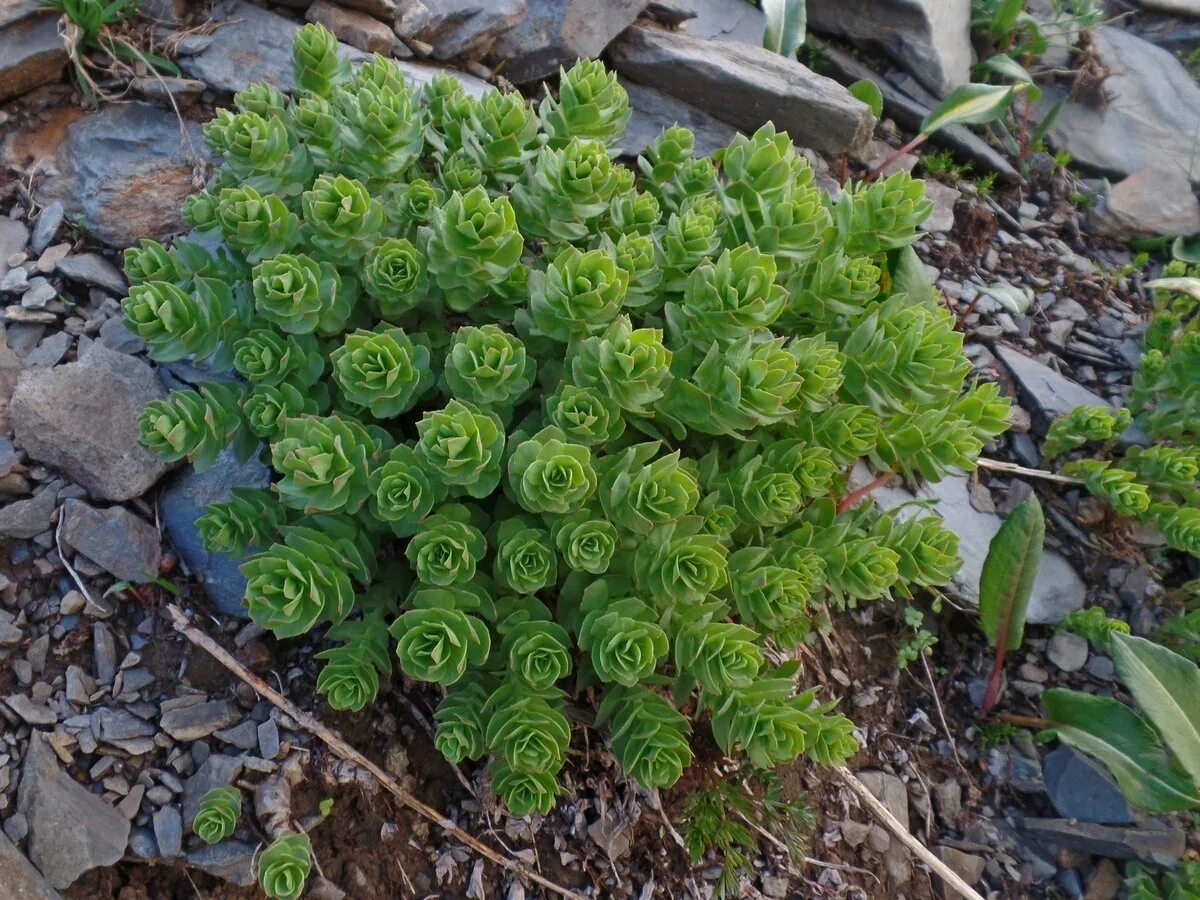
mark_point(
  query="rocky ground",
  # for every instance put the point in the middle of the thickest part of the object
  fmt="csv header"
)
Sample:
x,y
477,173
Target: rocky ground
x,y
112,725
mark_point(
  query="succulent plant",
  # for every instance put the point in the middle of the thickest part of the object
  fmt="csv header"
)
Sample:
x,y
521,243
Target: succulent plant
x,y
217,815
542,423
284,866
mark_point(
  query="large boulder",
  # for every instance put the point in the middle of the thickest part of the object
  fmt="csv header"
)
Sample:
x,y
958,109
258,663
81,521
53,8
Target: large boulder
x,y
458,28
725,20
1149,203
71,830
929,38
31,51
184,501
745,86
555,33
254,44
1144,114
82,418
126,170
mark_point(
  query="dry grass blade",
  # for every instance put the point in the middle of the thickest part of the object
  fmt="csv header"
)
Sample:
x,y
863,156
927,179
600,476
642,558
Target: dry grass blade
x,y
335,743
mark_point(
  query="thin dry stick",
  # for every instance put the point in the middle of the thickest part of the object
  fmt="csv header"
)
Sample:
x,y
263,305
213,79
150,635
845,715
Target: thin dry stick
x,y
1013,469
66,565
420,719
901,831
937,702
335,743
807,860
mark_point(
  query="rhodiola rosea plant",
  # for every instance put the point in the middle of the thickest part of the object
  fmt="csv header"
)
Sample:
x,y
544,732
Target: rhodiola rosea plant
x,y
547,428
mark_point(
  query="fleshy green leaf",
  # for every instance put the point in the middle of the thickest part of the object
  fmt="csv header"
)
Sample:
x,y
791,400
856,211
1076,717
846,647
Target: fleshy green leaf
x,y
1009,570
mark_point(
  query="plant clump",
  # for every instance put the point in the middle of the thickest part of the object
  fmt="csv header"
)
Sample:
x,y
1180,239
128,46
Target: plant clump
x,y
542,423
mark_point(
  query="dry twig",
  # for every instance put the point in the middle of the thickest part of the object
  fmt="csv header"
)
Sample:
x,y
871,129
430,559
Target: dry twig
x,y
343,750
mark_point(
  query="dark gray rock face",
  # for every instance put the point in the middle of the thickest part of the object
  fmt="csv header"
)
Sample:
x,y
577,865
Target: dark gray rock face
x,y
115,539
929,38
557,32
31,51
746,85
184,501
1081,789
653,111
1147,119
71,830
127,170
27,518
82,418
19,879
1152,842
725,20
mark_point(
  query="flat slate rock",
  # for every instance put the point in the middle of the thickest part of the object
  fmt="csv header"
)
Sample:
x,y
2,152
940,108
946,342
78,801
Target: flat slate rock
x,y
253,44
82,418
1051,394
31,51
746,86
1082,789
115,539
71,830
19,879
652,111
556,33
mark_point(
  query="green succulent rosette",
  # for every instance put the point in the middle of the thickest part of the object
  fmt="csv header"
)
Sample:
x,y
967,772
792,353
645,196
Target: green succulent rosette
x,y
569,191
459,172
680,563
438,642
382,371
881,215
341,218
350,678
585,415
503,136
764,495
663,156
284,866
536,648
394,276
446,547
639,493
773,595
526,729
411,205
293,585
761,169
265,357
579,294
382,132
488,366
450,109
524,793
549,474
472,244
691,237
262,99
459,720
723,300
217,815
591,104
649,735
251,517
720,656
151,261
315,122
623,640
403,490
266,407
323,461
586,540
525,558
462,445
288,292
316,65
629,364
195,425
257,226
176,324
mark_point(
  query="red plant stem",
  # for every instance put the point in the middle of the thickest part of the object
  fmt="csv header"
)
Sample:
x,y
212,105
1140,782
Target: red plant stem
x,y
879,169
854,496
992,694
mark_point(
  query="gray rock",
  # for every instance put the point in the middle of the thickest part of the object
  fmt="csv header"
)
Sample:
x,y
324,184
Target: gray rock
x,y
1057,589
1148,203
244,735
384,10
726,20
49,352
216,771
30,712
358,29
115,539
93,269
1045,393
39,293
168,831
142,844
231,861
557,32
82,418
121,725
1181,7
46,227
184,501
115,336
26,518
21,880
1152,842
71,830
966,866
929,38
1006,766
653,111
104,653
745,86
268,739
458,28
199,720
164,88
31,51
13,237
127,170
1147,119
253,44
1082,789
1068,651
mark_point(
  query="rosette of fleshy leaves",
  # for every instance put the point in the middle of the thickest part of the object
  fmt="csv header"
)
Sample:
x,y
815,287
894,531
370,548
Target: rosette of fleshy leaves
x,y
394,276
567,193
718,655
259,226
578,295
460,718
266,357
268,406
324,463
1119,487
284,866
350,676
462,445
549,474
639,492
472,245
488,366
251,517
382,128
381,370
527,728
620,633
217,815
446,547
525,558
881,215
403,491
536,649
586,541
176,324
502,136
1083,424
591,104
585,415
441,633
524,793
197,425
649,735
628,364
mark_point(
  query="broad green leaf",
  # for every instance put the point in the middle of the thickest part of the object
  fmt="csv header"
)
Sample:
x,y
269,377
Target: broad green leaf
x,y
869,93
1126,744
909,275
1167,688
971,104
1189,286
786,24
1012,298
1008,572
1186,249
1004,20
1006,67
